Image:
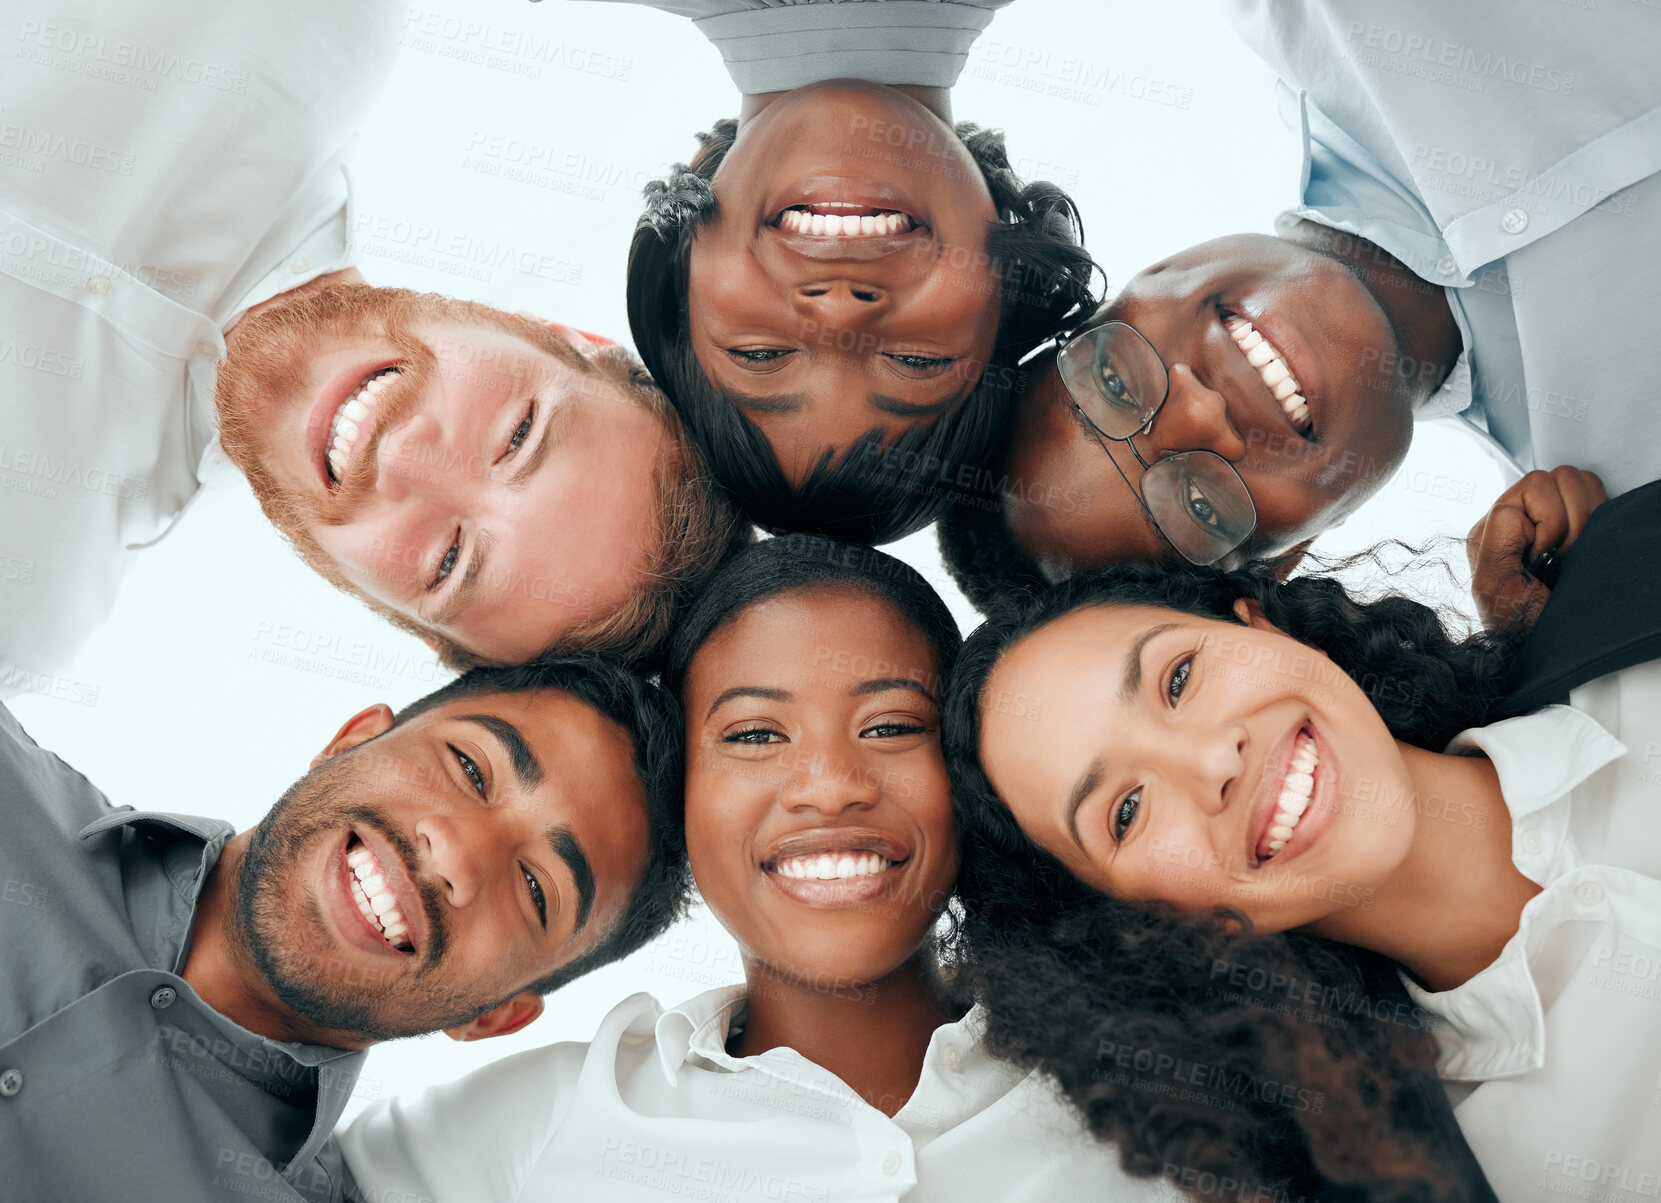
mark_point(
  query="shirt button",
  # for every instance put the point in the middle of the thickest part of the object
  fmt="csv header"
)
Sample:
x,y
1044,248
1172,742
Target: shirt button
x,y
890,1163
1590,893
954,1059
1533,843
98,285
1515,221
11,1082
207,349
163,998
1445,266
300,263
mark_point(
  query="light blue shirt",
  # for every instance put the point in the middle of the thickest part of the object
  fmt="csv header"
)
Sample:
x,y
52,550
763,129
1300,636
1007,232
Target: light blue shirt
x,y
776,45
1507,152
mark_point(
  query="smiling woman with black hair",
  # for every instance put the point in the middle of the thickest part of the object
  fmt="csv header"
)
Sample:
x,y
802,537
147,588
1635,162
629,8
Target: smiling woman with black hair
x,y
1199,807
836,291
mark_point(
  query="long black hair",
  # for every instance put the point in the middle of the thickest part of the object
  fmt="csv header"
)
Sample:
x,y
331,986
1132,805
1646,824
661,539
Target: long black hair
x,y
874,492
790,563
1207,1051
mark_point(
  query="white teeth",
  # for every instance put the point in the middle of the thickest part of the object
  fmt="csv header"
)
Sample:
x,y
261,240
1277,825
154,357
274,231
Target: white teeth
x,y
355,416
1271,365
378,904
831,866
362,899
842,225
1295,792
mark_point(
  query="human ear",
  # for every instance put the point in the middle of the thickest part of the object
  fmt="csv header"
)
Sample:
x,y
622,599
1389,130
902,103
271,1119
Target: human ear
x,y
1251,614
504,1020
362,727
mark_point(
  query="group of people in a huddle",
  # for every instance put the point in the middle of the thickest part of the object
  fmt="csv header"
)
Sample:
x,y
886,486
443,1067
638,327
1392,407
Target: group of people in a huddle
x,y
1190,871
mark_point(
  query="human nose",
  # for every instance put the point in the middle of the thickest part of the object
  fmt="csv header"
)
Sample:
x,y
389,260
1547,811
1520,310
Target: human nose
x,y
1194,418
457,850
1211,759
411,457
823,781
840,304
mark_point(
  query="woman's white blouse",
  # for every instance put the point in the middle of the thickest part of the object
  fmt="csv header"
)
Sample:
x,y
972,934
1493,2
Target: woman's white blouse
x,y
654,1108
1552,1054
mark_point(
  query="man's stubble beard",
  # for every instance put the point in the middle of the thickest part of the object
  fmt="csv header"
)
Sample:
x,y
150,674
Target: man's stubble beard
x,y
271,937
268,361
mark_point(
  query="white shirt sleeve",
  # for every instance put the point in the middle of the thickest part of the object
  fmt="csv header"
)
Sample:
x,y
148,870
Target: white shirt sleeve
x,y
474,1139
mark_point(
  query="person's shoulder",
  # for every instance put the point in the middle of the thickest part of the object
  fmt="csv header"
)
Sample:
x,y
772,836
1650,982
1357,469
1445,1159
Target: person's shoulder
x,y
35,780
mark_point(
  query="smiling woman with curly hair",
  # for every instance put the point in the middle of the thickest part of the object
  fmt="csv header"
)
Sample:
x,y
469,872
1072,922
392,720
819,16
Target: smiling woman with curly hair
x,y
1130,919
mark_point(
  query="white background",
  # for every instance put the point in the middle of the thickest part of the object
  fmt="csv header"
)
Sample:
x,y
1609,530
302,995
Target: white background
x,y
227,664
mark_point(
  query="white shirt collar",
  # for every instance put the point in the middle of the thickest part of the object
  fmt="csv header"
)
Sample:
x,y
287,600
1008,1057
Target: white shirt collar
x,y
700,1027
1494,1025
1541,756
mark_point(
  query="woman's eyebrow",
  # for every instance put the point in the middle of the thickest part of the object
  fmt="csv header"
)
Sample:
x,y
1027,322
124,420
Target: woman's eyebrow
x,y
881,684
899,408
1082,789
749,691
782,403
1132,672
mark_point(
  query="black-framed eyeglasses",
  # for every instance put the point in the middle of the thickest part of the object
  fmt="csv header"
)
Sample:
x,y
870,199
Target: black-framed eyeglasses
x,y
1118,383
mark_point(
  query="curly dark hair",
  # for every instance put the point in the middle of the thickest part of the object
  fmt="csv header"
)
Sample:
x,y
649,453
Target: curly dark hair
x,y
651,718
1300,1061
874,492
981,554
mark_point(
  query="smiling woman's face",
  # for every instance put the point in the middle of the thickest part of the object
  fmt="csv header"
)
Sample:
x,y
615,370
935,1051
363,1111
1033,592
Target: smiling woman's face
x,y
1197,762
818,811
885,322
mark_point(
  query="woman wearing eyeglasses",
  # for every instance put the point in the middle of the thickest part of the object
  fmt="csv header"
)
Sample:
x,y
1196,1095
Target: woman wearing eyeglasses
x,y
1219,787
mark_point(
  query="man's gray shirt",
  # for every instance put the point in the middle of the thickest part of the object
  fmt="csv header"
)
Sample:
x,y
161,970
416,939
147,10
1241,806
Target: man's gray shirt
x,y
116,1081
777,45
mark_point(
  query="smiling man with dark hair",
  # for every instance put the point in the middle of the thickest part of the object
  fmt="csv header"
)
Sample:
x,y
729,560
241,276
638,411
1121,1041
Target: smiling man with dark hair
x,y
435,870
